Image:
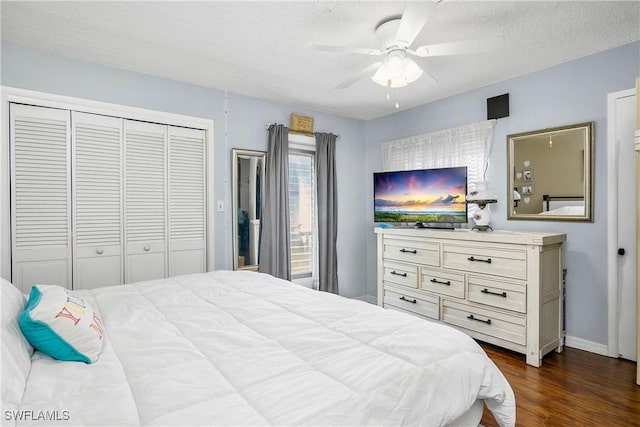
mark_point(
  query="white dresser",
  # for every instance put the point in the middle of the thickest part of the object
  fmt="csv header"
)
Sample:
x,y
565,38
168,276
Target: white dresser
x,y
500,287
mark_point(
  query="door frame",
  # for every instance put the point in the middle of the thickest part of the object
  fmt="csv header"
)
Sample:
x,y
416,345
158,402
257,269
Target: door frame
x,y
612,223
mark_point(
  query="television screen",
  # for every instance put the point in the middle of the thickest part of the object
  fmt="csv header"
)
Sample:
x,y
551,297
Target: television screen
x,y
422,195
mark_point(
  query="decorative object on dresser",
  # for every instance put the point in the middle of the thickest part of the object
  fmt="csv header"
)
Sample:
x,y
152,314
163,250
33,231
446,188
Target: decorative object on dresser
x,y
482,197
504,288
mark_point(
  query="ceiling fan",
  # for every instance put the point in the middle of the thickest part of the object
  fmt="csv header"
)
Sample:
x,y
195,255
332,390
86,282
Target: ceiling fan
x,y
396,35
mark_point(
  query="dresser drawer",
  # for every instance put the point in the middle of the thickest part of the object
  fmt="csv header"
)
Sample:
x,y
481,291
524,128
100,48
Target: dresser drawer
x,y
496,293
442,282
415,251
498,262
400,274
509,327
426,305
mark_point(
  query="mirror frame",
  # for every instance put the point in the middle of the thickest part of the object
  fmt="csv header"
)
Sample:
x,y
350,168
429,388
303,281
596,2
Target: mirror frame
x,y
588,174
236,154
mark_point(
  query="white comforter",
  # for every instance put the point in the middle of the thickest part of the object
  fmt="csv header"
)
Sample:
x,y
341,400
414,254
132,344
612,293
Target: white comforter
x,y
240,348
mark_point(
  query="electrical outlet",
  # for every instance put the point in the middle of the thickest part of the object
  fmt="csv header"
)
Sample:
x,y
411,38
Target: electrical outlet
x,y
220,205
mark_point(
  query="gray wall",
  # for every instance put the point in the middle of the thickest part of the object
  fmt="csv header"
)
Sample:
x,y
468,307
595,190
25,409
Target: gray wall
x,y
246,118
569,93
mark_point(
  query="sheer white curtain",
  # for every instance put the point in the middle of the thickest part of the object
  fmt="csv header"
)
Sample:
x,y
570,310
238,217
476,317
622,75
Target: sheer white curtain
x,y
462,146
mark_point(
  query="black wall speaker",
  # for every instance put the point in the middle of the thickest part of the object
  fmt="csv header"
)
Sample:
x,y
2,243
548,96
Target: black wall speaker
x,y
498,107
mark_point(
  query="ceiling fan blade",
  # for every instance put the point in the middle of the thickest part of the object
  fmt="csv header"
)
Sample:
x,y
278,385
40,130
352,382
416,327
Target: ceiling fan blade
x,y
415,15
463,47
428,77
344,49
367,71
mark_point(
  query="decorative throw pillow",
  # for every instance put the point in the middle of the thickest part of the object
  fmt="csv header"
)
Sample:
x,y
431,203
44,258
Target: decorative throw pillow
x,y
62,324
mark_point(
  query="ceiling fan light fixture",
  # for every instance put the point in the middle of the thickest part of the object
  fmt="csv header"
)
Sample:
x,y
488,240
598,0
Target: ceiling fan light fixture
x,y
398,70
411,70
381,76
396,83
395,65
383,80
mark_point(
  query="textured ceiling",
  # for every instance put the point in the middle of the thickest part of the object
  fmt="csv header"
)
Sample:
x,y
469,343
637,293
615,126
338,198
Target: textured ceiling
x,y
259,48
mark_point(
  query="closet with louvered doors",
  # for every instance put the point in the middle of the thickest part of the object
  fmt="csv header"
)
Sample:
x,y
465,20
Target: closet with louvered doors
x,y
187,201
165,201
98,200
40,153
145,205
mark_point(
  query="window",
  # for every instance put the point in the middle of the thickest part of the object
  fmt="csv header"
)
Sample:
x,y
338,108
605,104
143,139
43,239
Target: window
x,y
302,211
462,146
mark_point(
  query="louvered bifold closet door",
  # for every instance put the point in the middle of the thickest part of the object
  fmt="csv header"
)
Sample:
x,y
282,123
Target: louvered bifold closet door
x,y
145,201
40,196
97,200
187,220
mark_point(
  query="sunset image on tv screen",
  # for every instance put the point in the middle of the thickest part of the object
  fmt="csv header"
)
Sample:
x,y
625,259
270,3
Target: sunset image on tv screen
x,y
426,195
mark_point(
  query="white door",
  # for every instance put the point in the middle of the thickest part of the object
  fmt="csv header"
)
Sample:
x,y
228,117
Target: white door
x,y
145,201
97,200
40,196
624,130
187,201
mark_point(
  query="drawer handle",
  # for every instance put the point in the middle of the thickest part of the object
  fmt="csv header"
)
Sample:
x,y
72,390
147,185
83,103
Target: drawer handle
x,y
488,321
448,282
147,247
395,273
412,301
488,260
99,251
500,294
407,251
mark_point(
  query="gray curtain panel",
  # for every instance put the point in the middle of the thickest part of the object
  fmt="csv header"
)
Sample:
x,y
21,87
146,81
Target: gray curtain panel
x,y
275,241
327,212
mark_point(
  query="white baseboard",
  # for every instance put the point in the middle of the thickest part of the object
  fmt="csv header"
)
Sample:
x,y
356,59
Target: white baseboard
x,y
590,346
367,298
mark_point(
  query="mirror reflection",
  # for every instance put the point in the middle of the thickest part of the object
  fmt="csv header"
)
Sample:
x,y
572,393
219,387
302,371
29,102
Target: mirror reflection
x,y
551,174
247,182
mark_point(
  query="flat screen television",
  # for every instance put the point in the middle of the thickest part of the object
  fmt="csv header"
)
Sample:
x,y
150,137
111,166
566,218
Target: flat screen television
x,y
421,196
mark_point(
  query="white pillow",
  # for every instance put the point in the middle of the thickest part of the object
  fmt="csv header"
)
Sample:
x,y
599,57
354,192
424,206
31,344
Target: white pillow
x,y
62,324
16,350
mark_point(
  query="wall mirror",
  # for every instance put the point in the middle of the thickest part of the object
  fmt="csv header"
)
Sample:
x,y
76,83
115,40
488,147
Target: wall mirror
x,y
247,182
551,174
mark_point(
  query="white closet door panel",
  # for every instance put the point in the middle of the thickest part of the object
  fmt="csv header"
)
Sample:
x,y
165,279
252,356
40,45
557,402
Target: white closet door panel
x,y
145,201
29,273
40,196
146,261
187,200
141,267
95,272
187,256
97,198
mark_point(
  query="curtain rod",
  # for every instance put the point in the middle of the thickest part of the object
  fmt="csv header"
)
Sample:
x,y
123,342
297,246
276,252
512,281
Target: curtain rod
x,y
267,128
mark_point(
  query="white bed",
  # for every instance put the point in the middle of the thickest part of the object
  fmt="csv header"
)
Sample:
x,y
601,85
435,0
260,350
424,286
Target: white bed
x,y
243,348
565,210
562,205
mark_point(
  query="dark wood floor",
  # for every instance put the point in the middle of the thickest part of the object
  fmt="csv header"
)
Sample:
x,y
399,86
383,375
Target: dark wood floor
x,y
574,388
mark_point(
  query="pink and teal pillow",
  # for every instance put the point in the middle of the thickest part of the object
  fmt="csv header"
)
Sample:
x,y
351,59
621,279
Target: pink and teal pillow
x,y
62,324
